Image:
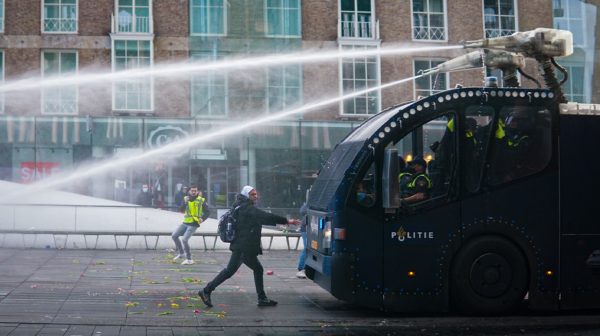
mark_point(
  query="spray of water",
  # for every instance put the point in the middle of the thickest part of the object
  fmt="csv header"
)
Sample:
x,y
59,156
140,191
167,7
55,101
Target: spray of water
x,y
186,68
86,171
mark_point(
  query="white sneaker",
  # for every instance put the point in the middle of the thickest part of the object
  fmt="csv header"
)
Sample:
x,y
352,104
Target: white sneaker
x,y
177,257
188,262
301,274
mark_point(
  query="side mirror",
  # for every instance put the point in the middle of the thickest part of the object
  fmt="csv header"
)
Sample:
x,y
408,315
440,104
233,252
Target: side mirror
x,y
593,261
391,192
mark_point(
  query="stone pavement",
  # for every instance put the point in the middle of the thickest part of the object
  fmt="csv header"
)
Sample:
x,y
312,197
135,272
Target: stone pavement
x,y
139,292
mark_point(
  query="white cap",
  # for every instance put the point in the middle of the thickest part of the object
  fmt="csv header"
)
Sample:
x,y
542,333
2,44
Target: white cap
x,y
246,191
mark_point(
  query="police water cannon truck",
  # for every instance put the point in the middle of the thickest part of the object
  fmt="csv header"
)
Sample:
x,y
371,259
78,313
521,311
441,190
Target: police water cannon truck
x,y
505,210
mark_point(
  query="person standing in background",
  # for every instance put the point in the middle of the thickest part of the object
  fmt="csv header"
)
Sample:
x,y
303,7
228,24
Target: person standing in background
x,y
195,212
179,196
144,198
302,258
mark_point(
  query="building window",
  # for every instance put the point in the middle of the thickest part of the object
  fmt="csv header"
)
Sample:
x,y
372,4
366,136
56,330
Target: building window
x,y
284,87
209,91
282,18
2,81
133,16
428,85
61,99
429,20
1,16
499,17
132,93
208,17
60,16
358,74
569,15
356,18
574,88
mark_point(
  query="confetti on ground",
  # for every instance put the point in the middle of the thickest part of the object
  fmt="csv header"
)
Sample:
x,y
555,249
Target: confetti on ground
x,y
220,314
168,312
131,304
191,280
157,282
183,270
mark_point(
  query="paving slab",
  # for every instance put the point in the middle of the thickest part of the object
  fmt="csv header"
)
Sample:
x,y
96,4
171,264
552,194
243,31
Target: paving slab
x,y
139,292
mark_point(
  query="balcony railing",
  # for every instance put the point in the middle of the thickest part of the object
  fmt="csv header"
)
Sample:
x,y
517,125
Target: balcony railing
x,y
489,33
60,25
132,24
357,26
60,107
429,33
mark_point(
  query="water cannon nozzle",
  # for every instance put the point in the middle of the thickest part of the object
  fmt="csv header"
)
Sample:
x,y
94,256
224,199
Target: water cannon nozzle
x,y
467,61
503,60
534,43
474,43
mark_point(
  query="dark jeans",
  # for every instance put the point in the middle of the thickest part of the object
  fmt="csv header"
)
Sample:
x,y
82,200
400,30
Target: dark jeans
x,y
235,261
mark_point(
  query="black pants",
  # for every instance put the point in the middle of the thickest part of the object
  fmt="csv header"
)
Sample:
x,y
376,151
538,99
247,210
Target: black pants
x,y
235,261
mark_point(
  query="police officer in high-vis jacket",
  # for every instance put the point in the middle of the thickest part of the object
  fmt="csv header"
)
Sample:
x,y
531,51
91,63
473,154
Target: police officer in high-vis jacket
x,y
415,184
196,211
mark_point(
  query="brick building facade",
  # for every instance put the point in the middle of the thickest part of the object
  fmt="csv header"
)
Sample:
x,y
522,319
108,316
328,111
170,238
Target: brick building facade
x,y
114,34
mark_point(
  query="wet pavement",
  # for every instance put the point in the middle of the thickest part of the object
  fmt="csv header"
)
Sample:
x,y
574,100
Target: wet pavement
x,y
139,292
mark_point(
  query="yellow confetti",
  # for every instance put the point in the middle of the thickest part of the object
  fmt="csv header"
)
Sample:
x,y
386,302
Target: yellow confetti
x,y
174,305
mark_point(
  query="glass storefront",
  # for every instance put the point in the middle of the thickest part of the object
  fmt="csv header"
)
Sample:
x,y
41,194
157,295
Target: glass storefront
x,y
279,158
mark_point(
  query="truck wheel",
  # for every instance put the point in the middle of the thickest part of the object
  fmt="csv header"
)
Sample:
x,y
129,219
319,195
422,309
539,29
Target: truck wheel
x,y
489,276
310,273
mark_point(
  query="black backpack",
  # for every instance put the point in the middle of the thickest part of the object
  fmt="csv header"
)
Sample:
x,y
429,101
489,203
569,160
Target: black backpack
x,y
227,225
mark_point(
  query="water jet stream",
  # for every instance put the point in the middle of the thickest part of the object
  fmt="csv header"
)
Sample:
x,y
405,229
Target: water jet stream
x,y
85,171
185,68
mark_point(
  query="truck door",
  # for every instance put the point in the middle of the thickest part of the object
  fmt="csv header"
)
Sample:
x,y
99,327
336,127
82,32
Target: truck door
x,y
418,234
580,232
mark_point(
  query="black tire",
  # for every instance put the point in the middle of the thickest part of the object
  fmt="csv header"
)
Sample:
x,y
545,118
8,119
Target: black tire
x,y
310,273
489,277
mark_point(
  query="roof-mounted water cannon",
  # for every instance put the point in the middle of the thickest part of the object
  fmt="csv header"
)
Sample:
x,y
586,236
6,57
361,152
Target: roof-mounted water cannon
x,y
534,43
508,62
543,44
468,61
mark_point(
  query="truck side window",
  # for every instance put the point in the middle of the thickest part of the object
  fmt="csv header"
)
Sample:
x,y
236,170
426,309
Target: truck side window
x,y
428,155
474,142
521,144
365,188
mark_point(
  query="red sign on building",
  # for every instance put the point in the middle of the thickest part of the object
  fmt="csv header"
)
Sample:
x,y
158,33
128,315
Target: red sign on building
x,y
31,171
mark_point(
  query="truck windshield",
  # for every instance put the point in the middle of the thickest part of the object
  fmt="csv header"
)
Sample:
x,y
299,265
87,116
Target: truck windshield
x,y
370,126
333,171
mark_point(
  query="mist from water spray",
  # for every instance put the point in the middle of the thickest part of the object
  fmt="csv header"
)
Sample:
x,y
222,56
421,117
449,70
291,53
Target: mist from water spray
x,y
187,68
89,170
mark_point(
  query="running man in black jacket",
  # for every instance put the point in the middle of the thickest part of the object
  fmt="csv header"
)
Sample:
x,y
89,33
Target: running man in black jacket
x,y
246,246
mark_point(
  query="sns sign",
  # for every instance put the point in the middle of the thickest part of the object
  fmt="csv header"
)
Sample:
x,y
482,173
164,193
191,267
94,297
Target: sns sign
x,y
30,171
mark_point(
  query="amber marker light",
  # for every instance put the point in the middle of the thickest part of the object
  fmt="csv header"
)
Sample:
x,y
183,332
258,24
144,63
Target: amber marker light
x,y
411,274
549,273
